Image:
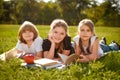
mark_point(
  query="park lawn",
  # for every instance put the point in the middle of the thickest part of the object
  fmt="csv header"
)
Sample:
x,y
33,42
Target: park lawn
x,y
106,68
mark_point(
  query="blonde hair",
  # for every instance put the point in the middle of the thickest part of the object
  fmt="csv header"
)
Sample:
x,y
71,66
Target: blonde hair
x,y
27,26
90,24
59,23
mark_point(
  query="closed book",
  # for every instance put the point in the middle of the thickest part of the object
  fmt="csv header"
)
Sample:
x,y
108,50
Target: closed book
x,y
46,62
52,66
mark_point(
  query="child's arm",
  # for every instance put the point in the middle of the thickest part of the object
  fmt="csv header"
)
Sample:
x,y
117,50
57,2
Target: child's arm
x,y
77,48
18,51
50,54
93,55
39,55
95,47
20,54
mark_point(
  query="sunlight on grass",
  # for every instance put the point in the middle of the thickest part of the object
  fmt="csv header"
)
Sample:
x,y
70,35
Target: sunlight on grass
x,y
106,68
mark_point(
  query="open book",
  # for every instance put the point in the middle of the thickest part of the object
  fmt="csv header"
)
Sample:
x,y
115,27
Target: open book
x,y
47,63
68,59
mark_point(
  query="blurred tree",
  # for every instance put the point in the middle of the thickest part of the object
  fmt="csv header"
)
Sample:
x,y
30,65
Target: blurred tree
x,y
73,10
27,10
111,16
115,4
95,12
48,12
1,10
5,12
106,13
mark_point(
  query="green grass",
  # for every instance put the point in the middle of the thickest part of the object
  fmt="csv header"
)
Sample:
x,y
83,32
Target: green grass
x,y
106,68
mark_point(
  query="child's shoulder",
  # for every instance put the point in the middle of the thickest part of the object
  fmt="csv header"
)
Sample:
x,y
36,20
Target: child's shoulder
x,y
76,38
93,38
67,38
46,40
38,39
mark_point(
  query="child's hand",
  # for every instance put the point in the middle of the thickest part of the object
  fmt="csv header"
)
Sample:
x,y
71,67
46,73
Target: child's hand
x,y
84,58
20,54
51,38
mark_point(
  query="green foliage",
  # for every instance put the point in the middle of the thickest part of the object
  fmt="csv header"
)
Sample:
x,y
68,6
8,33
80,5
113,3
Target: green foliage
x,y
106,68
105,14
48,12
72,11
111,60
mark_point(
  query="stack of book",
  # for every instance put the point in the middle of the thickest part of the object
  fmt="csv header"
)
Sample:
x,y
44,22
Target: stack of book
x,y
48,63
44,63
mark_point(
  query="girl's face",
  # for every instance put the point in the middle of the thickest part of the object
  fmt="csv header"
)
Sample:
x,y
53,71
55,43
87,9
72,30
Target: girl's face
x,y
85,32
28,35
59,34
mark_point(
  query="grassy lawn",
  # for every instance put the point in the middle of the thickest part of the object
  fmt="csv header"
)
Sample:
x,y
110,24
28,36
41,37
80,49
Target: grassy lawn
x,y
106,68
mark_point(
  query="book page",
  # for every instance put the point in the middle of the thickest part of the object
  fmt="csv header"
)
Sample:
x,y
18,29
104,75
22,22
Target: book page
x,y
72,58
63,57
46,62
68,59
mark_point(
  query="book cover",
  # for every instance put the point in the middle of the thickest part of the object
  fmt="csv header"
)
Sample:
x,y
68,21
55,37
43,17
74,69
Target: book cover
x,y
52,66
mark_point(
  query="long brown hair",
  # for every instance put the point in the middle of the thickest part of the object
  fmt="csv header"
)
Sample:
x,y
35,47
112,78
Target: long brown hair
x,y
90,24
59,23
27,26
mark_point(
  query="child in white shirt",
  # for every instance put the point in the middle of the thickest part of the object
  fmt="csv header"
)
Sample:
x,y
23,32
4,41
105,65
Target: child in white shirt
x,y
28,42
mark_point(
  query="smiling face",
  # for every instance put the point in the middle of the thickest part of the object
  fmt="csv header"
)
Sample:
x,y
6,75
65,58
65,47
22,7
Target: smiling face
x,y
85,33
59,34
27,31
28,35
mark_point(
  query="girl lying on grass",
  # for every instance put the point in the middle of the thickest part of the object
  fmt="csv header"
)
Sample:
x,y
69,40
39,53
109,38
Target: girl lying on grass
x,y
86,43
28,42
58,40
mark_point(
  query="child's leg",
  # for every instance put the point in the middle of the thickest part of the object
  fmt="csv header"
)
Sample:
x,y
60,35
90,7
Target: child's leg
x,y
114,46
105,48
9,54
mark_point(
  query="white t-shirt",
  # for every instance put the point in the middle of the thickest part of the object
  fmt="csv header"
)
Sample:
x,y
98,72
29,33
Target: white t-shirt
x,y
35,47
100,51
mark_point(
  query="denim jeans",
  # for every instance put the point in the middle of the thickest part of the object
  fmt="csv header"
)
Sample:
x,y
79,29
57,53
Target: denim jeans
x,y
114,46
110,47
